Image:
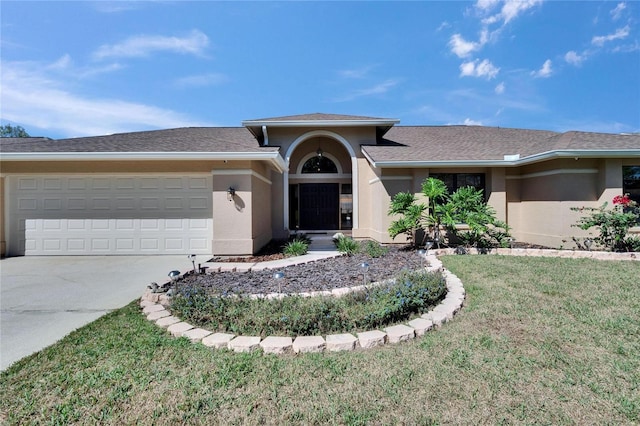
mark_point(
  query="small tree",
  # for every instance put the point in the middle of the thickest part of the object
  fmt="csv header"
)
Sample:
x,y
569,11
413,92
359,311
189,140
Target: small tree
x,y
482,230
9,131
404,204
466,205
438,194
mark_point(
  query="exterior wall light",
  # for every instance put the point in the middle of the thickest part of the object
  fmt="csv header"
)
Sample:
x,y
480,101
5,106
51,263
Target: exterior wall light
x,y
231,192
427,246
364,266
278,277
422,253
174,275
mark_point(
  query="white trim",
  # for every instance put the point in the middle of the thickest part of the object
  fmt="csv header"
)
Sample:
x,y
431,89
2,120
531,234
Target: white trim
x,y
274,157
354,172
552,172
549,155
324,154
321,123
241,172
320,176
389,178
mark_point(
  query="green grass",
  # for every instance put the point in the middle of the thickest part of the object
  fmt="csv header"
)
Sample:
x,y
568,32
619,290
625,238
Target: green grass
x,y
550,341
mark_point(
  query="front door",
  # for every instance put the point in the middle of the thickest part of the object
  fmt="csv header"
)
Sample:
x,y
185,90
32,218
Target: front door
x,y
319,205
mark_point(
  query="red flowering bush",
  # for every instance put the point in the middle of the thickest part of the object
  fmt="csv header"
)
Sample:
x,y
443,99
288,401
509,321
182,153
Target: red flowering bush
x,y
613,224
622,200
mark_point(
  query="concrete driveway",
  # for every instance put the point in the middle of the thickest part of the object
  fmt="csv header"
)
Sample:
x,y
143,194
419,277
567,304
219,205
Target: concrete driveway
x,y
42,299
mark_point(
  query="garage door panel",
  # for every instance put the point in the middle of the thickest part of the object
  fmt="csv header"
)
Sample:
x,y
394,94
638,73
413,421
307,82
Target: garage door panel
x,y
28,204
110,215
52,204
52,183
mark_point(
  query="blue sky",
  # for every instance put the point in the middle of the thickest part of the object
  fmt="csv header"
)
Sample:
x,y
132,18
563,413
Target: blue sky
x,y
90,68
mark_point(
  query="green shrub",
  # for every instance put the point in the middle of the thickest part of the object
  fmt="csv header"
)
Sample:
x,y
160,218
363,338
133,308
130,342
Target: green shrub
x,y
612,223
296,247
373,249
347,245
410,294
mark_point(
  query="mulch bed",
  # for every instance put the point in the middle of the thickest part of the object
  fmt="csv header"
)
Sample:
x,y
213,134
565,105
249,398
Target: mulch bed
x,y
326,274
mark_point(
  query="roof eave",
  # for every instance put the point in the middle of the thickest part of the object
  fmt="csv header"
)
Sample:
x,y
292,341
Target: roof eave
x,y
549,155
272,157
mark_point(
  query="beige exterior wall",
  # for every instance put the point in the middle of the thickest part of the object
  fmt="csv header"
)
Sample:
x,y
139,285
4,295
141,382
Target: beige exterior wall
x,y
296,144
241,226
535,200
540,197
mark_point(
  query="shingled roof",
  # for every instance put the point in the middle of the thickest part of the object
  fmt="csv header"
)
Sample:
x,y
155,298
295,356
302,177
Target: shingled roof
x,y
190,139
319,116
466,144
401,146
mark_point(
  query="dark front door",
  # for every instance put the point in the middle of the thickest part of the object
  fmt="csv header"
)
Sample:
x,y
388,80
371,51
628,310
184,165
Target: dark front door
x,y
319,203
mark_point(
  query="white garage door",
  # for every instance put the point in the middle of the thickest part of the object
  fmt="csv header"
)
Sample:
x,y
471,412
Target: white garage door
x,y
117,215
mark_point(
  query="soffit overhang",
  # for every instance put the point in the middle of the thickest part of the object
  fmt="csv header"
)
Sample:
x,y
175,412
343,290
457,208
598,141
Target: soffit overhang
x,y
507,162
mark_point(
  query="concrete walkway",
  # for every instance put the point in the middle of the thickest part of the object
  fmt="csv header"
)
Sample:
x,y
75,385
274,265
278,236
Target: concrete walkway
x,y
42,299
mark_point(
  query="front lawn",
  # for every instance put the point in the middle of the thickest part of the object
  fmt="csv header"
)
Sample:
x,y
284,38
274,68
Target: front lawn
x,y
552,341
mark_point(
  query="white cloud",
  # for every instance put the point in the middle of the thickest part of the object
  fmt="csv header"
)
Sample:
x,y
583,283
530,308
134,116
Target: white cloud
x,y
500,88
202,80
510,10
470,122
572,57
66,66
461,47
32,97
477,68
626,48
143,45
616,12
619,34
63,63
442,26
356,72
486,4
545,71
378,89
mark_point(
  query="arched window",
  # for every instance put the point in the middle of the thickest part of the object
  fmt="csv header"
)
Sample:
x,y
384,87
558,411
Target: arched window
x,y
319,164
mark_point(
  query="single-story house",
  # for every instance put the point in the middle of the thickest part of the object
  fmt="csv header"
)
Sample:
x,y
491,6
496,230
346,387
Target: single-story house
x,y
230,190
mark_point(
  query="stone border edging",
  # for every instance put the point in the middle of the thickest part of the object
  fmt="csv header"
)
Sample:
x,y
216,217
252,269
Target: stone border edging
x,y
153,306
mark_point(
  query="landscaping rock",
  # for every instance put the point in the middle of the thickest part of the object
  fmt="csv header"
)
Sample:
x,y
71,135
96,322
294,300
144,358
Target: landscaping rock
x,y
158,314
167,321
152,308
276,345
179,328
244,343
218,340
421,325
341,342
196,334
306,344
371,339
438,318
399,333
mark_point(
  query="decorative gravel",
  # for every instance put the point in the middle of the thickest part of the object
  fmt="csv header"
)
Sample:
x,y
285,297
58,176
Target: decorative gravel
x,y
327,274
